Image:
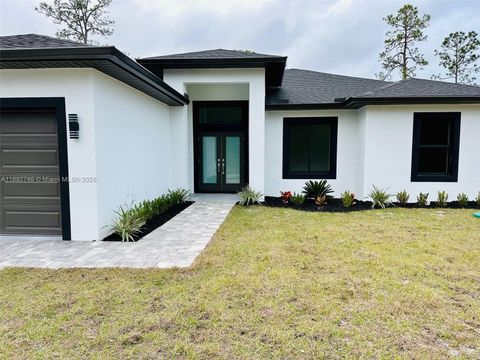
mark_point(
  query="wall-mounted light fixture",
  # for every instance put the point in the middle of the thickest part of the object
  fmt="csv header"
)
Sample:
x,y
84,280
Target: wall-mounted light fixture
x,y
74,126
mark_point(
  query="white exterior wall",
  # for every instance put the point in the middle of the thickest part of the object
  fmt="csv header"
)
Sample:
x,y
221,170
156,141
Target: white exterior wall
x,y
76,86
348,169
218,84
375,148
124,141
132,136
388,150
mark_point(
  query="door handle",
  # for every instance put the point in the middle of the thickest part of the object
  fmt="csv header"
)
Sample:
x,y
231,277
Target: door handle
x,y
223,166
218,165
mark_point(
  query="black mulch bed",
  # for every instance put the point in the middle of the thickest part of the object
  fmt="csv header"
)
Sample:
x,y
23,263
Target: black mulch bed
x,y
335,205
154,222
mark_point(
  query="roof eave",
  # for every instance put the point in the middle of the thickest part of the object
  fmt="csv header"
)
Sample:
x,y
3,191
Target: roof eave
x,y
356,103
274,66
310,106
154,86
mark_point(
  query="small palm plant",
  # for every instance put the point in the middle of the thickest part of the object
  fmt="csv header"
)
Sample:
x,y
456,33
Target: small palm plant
x,y
128,223
402,197
380,197
318,190
422,199
462,199
249,196
442,198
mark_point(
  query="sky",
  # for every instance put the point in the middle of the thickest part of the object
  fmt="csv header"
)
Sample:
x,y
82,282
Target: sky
x,y
339,36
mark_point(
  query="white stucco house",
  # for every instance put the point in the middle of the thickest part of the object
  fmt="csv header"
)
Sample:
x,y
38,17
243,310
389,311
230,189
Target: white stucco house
x,y
84,129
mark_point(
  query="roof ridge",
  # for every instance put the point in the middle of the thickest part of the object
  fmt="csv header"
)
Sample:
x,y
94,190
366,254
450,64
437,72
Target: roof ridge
x,y
68,41
443,82
340,75
211,52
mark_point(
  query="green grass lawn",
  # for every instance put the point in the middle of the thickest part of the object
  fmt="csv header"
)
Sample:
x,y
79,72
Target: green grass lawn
x,y
273,283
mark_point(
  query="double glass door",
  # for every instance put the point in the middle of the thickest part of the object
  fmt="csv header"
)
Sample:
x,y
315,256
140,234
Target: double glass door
x,y
220,162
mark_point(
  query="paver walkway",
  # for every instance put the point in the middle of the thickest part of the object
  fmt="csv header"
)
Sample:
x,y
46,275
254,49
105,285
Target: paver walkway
x,y
177,243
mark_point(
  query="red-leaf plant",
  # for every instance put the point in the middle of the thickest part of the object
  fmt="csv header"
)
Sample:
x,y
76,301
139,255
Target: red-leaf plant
x,y
286,196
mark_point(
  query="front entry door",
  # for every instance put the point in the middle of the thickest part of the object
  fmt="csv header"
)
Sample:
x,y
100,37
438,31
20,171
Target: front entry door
x,y
221,162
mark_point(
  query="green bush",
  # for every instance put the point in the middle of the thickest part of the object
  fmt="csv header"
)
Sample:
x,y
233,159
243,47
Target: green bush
x,y
128,223
422,199
178,196
348,198
442,198
248,196
462,199
317,190
297,199
380,197
402,197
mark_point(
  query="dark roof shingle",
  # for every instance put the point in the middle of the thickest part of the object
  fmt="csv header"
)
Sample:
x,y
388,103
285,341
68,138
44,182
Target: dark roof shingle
x,y
213,54
34,41
304,87
312,87
422,88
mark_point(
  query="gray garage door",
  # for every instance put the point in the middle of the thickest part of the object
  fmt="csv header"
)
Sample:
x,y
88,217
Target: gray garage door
x,y
29,170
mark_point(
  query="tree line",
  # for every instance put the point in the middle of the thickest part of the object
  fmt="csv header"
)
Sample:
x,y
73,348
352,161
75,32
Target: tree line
x,y
458,54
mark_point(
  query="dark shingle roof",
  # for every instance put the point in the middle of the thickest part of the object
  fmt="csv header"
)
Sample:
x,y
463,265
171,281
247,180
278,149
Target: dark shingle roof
x,y
422,88
306,87
38,52
213,54
34,41
310,88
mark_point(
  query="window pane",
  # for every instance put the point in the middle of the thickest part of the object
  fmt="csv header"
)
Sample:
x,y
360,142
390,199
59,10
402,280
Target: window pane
x,y
209,159
319,147
433,160
232,159
298,148
220,115
434,131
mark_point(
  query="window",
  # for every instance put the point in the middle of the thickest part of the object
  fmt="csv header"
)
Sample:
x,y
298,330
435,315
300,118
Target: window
x,y
436,138
309,148
220,115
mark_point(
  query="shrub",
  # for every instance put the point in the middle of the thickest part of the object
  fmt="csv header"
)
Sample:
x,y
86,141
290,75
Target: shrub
x,y
249,196
380,197
462,199
178,196
297,199
348,198
150,208
422,199
128,223
144,210
477,199
402,197
442,198
160,204
286,196
318,190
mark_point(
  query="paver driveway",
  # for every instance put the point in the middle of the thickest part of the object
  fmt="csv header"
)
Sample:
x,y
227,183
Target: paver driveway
x,y
177,243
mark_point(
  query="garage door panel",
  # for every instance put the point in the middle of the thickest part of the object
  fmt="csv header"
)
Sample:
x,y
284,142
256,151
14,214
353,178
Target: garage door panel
x,y
34,123
28,221
34,157
24,191
29,165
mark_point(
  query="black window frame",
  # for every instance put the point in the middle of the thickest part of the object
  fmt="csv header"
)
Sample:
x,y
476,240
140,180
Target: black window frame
x,y
453,147
287,123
